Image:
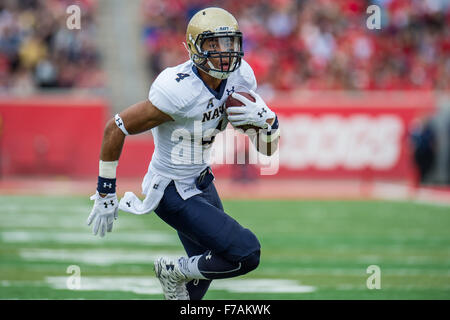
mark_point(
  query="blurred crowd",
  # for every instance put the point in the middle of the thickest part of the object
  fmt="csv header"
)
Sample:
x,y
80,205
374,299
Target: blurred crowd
x,y
301,44
320,44
37,49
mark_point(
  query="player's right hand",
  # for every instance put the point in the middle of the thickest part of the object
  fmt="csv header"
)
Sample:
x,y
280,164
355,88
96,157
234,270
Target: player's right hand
x,y
253,113
104,212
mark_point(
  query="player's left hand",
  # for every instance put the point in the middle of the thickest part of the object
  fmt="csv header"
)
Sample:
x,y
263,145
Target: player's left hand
x,y
104,212
252,113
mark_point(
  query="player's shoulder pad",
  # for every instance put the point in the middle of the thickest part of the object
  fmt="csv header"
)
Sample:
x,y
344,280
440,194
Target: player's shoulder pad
x,y
174,88
246,75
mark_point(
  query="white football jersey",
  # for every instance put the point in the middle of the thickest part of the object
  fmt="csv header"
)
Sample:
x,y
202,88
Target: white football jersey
x,y
182,147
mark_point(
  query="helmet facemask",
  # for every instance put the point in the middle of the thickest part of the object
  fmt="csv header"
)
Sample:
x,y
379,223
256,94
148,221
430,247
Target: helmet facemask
x,y
224,47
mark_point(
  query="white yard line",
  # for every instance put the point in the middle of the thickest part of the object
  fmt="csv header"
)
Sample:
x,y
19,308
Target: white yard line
x,y
261,285
39,207
150,237
361,272
100,257
138,285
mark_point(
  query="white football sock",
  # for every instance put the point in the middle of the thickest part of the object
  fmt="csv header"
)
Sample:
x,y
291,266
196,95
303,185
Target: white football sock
x,y
189,266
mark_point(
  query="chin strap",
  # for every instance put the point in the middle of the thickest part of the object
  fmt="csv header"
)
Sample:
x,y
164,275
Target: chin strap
x,y
216,74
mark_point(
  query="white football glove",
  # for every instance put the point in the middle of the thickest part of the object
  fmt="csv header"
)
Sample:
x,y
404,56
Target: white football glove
x,y
253,113
104,212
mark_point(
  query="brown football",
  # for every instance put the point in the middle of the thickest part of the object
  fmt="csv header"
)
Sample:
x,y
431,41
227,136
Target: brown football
x,y
232,102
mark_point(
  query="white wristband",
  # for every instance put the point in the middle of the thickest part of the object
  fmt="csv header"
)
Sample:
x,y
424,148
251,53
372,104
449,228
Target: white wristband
x,y
120,124
107,169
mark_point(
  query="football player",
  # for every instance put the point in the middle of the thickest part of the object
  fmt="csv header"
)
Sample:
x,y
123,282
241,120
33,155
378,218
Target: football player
x,y
178,186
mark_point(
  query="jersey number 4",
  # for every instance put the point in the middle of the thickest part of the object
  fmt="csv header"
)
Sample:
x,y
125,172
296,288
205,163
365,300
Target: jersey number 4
x,y
181,76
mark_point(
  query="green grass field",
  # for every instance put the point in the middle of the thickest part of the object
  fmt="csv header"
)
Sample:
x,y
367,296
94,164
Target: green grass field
x,y
310,250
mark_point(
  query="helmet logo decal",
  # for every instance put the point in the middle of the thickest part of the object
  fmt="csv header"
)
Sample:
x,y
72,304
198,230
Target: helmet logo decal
x,y
223,28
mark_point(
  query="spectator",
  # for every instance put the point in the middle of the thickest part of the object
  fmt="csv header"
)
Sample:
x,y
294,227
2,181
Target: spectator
x,y
423,139
38,51
320,44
